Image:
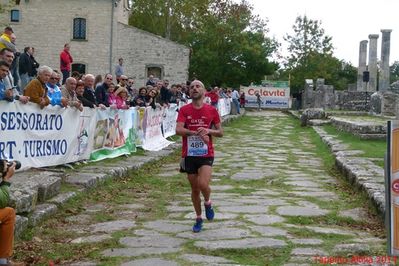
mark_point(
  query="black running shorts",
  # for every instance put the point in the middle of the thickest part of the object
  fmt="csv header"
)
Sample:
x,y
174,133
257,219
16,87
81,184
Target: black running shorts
x,y
191,164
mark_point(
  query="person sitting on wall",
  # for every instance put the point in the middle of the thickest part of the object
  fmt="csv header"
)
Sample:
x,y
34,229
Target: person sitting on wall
x,y
36,88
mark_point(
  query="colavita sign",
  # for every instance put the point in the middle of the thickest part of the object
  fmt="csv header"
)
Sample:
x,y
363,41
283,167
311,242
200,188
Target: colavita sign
x,y
272,94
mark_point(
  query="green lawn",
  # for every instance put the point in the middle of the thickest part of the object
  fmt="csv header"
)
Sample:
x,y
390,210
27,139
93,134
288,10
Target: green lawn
x,y
371,148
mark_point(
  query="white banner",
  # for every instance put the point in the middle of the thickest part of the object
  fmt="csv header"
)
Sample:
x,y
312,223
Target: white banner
x,y
273,94
224,106
153,139
169,121
44,137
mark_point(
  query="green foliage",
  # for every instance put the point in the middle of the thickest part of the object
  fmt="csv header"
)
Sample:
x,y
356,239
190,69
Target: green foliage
x,y
228,43
394,72
308,39
311,57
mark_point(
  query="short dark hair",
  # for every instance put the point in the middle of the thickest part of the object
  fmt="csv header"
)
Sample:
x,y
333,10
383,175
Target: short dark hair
x,y
4,63
3,51
26,49
9,29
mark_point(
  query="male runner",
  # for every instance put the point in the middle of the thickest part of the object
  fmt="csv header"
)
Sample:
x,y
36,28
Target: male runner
x,y
197,122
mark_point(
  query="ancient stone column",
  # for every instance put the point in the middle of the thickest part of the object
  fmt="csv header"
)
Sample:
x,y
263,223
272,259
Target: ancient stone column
x,y
372,68
361,86
383,84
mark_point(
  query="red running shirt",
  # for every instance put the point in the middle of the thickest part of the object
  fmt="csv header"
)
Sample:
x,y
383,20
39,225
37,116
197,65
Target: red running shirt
x,y
193,118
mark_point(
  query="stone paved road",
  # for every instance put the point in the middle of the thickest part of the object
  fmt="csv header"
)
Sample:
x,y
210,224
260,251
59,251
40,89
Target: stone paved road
x,y
275,205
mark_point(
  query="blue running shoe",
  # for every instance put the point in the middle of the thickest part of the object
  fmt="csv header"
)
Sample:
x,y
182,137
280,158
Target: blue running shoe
x,y
198,225
209,213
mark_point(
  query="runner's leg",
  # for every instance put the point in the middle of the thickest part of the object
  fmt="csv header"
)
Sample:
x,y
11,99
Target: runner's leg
x,y
204,177
195,193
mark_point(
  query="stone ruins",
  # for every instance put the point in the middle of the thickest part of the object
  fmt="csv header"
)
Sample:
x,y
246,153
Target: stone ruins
x,y
369,94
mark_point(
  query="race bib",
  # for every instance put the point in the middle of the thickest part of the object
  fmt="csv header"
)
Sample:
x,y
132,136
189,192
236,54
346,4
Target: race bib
x,y
196,146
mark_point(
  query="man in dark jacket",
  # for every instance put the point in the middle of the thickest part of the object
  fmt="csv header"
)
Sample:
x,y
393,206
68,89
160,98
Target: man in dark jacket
x,y
25,67
102,90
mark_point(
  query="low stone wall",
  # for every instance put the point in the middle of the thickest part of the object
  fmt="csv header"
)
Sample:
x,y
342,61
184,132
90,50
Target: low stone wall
x,y
361,172
362,129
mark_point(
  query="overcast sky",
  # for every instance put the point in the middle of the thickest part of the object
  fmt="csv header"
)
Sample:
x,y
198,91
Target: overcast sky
x,y
347,21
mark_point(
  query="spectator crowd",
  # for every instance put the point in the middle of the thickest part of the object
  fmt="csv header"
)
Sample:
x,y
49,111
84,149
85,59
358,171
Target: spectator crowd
x,y
23,79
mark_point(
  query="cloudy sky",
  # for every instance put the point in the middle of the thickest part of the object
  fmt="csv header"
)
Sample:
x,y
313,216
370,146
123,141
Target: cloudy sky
x,y
347,21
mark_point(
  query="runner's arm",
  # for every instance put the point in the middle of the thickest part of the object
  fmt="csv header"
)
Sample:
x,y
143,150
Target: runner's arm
x,y
217,131
182,131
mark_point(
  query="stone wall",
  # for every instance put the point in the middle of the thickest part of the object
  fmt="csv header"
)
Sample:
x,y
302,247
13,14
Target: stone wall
x,y
48,24
146,49
325,97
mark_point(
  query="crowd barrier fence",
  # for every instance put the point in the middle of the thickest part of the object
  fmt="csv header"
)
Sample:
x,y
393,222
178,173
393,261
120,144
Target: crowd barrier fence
x,y
54,135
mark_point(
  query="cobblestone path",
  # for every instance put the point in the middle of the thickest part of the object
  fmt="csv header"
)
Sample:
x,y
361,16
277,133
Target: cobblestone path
x,y
275,205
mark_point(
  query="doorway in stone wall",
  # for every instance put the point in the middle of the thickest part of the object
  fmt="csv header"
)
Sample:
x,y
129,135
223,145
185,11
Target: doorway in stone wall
x,y
81,68
156,71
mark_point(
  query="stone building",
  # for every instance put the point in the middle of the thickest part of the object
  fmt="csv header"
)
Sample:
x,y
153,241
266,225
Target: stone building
x,y
99,34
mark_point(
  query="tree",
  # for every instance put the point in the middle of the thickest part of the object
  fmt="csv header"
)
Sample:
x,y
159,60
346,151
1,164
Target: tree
x,y
394,72
308,38
228,43
311,57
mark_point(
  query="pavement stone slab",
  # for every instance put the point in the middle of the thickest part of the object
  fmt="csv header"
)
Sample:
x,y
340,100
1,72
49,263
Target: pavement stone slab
x,y
217,234
112,226
153,241
264,219
241,244
357,214
269,230
300,211
218,215
134,252
204,259
308,252
91,239
167,226
302,183
307,241
329,230
244,209
353,248
150,262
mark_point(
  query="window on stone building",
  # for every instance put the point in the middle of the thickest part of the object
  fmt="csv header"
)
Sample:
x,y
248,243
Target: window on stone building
x,y
156,71
81,68
15,15
79,29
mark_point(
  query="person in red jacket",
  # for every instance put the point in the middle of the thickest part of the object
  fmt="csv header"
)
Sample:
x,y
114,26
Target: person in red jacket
x,y
65,62
214,96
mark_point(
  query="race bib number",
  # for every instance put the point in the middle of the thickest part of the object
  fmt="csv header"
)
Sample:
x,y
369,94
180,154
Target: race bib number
x,y
196,146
